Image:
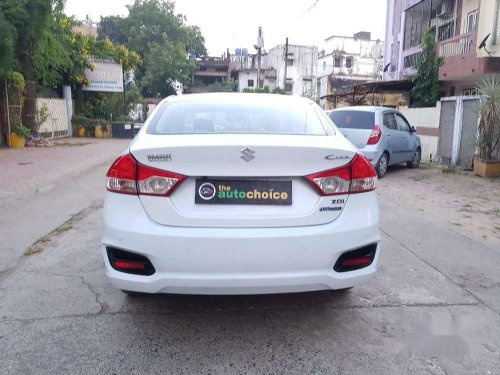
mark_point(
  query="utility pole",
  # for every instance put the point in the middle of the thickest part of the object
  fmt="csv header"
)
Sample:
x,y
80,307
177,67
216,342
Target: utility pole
x,y
259,59
286,63
258,47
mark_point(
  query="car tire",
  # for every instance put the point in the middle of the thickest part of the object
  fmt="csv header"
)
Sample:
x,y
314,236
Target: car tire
x,y
415,162
382,165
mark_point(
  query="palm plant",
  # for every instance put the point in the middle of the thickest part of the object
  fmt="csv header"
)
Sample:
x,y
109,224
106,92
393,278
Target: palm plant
x,y
488,139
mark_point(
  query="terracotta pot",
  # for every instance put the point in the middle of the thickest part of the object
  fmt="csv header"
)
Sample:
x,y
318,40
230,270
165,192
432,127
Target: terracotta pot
x,y
486,168
16,141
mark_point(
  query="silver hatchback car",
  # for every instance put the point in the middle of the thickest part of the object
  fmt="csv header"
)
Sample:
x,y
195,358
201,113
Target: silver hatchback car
x,y
382,134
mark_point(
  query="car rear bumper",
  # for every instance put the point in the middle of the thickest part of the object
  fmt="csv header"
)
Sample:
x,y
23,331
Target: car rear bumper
x,y
373,154
239,260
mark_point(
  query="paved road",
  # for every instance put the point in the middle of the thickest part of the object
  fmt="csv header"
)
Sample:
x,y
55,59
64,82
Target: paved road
x,y
41,188
433,308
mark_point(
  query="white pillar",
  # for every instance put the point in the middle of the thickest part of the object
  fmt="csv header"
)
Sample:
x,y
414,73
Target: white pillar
x,y
69,108
457,130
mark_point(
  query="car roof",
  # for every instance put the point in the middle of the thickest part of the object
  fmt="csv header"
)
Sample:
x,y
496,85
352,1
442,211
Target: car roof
x,y
365,108
236,97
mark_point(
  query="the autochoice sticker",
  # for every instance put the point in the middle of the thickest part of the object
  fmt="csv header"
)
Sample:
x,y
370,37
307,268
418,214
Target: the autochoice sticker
x,y
260,192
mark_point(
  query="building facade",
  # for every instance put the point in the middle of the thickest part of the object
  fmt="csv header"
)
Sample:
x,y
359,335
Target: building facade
x,y
301,69
345,61
247,79
459,27
210,70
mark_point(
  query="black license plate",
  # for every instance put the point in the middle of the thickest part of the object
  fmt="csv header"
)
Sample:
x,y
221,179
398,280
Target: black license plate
x,y
259,192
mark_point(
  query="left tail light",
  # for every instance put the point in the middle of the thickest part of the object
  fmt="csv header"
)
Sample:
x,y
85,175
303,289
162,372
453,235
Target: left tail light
x,y
127,176
127,262
356,177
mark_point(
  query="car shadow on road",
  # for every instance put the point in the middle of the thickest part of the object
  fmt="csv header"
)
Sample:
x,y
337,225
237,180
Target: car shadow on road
x,y
177,304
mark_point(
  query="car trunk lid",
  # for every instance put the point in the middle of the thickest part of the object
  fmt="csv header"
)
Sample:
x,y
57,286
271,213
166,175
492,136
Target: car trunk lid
x,y
250,160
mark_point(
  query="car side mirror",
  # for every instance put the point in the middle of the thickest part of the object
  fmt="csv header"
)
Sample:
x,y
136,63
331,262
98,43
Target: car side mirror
x,y
413,129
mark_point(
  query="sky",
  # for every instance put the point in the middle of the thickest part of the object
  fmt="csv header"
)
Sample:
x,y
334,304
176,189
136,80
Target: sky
x,y
234,23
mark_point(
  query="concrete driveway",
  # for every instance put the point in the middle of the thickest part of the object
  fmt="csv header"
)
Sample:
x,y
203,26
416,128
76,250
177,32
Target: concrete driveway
x,y
433,308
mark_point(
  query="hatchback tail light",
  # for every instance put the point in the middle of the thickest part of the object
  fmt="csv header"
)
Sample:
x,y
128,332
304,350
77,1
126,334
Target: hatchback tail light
x,y
356,177
127,176
375,135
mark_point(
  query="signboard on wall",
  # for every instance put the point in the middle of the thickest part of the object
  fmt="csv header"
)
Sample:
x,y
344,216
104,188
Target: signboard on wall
x,y
107,76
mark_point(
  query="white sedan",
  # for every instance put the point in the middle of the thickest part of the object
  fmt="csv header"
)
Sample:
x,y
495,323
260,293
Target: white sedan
x,y
240,194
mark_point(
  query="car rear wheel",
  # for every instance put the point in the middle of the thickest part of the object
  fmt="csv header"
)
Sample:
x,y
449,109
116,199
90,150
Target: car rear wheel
x,y
382,165
415,162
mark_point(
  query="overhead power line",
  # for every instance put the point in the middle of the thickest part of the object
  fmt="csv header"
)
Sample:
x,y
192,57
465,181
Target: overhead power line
x,y
311,7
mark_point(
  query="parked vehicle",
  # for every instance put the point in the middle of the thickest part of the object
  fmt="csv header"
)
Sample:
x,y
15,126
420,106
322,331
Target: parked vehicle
x,y
382,134
240,194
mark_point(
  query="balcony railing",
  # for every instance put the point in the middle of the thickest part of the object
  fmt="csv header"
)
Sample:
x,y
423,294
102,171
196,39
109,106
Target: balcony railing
x,y
458,45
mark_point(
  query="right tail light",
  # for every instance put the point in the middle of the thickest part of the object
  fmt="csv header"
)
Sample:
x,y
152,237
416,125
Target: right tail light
x,y
356,177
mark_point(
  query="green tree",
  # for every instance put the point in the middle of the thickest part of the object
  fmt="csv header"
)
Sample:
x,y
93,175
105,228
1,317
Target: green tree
x,y
7,42
110,28
29,18
164,64
62,55
425,91
161,38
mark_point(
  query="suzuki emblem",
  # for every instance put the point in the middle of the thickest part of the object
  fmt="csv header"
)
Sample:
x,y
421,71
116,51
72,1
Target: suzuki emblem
x,y
247,154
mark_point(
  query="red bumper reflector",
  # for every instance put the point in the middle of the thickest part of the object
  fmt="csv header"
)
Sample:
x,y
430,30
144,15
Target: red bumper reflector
x,y
129,265
355,262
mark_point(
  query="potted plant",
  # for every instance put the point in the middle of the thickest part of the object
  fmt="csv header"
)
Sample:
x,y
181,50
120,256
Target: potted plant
x,y
80,125
102,129
487,160
18,136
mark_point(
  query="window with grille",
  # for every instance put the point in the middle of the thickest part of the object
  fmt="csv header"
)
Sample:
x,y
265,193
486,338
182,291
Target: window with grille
x,y
471,24
411,61
446,31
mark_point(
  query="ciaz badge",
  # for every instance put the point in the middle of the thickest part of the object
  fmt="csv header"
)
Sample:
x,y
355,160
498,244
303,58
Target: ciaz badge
x,y
159,158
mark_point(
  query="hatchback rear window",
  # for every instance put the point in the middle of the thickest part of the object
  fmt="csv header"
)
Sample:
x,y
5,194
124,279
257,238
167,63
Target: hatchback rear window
x,y
353,119
235,116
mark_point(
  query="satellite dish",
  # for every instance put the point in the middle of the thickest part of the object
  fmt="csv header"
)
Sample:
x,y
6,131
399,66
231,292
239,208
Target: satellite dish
x,y
386,68
483,42
482,45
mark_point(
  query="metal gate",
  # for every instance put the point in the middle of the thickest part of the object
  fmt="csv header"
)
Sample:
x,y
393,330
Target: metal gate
x,y
458,130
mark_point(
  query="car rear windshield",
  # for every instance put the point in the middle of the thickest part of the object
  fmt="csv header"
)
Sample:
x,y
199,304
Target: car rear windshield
x,y
229,117
353,119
